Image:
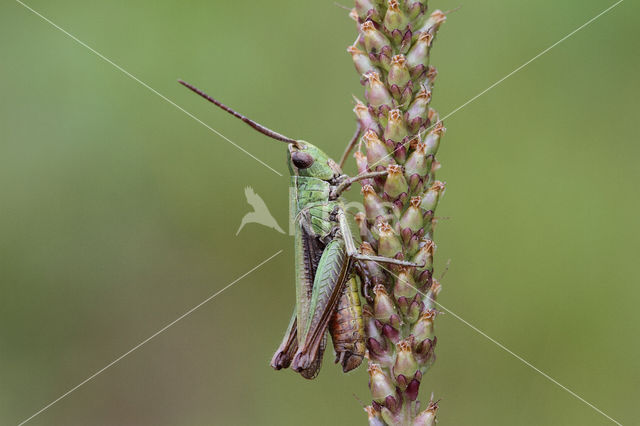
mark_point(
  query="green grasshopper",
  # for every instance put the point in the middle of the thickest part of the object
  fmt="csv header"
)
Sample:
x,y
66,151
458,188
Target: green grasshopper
x,y
325,254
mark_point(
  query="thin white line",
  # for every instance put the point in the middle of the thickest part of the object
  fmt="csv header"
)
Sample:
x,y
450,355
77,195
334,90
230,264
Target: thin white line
x,y
512,72
190,311
503,347
127,73
531,60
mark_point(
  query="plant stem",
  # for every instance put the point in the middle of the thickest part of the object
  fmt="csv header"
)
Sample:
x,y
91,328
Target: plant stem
x,y
401,135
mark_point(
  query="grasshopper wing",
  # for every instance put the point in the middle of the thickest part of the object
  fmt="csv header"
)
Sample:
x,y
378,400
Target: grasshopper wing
x,y
329,280
308,251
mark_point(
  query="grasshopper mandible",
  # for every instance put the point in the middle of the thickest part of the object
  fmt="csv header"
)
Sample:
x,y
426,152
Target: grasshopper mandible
x,y
325,254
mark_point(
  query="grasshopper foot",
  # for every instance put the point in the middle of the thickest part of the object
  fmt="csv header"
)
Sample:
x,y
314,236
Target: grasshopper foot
x,y
306,365
301,362
349,360
281,360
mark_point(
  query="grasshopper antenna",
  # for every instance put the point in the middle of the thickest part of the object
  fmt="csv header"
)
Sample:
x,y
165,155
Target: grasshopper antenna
x,y
257,126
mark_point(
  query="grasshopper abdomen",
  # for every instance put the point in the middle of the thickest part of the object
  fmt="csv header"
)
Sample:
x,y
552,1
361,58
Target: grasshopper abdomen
x,y
347,328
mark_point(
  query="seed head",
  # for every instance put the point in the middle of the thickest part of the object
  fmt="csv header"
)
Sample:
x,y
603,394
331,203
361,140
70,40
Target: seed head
x,y
377,94
428,416
423,328
412,217
383,307
406,363
380,384
395,18
399,72
396,184
361,60
374,40
396,129
367,121
377,151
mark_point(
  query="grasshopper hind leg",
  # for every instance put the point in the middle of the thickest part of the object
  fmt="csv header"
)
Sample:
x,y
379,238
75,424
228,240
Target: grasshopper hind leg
x,y
311,372
289,346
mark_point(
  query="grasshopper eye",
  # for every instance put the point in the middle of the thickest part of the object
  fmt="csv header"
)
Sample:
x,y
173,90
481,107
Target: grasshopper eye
x,y
301,160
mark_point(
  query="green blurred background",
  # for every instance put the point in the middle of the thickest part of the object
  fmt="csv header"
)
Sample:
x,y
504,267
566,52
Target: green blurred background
x,y
118,212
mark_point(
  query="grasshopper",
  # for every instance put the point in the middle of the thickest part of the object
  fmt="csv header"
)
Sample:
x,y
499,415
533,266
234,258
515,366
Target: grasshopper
x,y
325,254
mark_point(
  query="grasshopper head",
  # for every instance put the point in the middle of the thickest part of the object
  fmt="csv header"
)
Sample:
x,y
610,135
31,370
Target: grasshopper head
x,y
308,160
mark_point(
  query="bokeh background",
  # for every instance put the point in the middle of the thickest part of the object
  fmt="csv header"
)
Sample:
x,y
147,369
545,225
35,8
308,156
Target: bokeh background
x,y
118,212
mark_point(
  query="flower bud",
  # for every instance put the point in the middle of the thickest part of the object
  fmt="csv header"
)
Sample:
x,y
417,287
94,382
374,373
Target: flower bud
x,y
428,416
425,254
389,417
385,57
396,184
395,18
363,7
412,390
412,217
374,416
366,119
416,8
406,363
383,306
396,323
353,14
432,196
375,271
392,332
389,244
405,285
413,313
414,243
419,53
361,60
377,94
420,106
378,352
380,384
363,167
373,204
433,115
402,301
423,328
425,353
365,234
371,330
432,73
432,25
432,295
396,130
432,141
399,150
374,40
377,151
419,163
398,73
